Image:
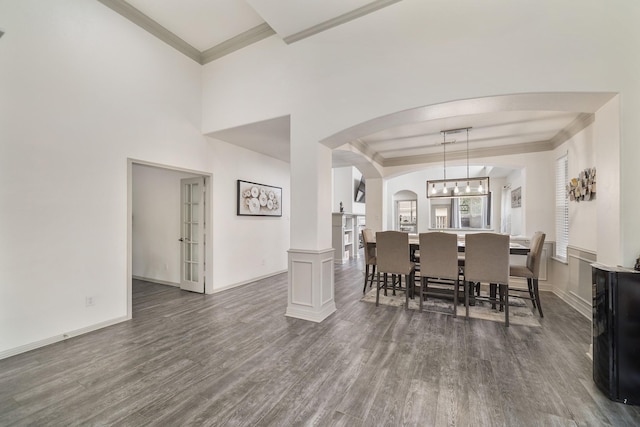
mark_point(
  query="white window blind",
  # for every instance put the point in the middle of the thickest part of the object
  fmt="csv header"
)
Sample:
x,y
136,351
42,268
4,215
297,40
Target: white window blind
x,y
562,208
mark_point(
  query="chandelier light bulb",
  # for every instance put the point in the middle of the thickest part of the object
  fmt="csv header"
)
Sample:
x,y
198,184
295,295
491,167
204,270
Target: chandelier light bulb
x,y
433,189
480,187
444,189
455,190
468,189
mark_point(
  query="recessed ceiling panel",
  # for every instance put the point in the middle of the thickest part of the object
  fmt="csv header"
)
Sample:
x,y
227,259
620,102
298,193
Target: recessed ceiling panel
x,y
487,130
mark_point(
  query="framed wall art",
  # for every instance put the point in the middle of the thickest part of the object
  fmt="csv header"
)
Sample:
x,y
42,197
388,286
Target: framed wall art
x,y
259,199
516,198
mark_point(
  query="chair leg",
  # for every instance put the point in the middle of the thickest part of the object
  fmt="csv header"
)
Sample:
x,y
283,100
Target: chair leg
x,y
373,272
406,291
492,295
455,298
537,296
393,284
466,298
366,277
531,295
378,290
423,287
505,290
385,276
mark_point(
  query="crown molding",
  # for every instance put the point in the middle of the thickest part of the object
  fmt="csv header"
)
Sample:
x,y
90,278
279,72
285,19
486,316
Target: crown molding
x,y
339,20
582,121
129,12
251,36
143,21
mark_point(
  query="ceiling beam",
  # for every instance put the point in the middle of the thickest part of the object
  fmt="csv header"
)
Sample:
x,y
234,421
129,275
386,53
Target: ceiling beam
x,y
582,121
505,150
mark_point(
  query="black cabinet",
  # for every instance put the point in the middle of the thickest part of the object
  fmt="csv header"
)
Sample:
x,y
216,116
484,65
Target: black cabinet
x,y
616,332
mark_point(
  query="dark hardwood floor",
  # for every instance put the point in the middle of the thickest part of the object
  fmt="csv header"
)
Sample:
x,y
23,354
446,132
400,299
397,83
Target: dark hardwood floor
x,y
233,358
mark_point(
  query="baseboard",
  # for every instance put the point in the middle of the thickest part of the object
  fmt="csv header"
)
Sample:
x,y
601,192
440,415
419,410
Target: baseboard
x,y
158,281
581,305
57,338
309,314
246,282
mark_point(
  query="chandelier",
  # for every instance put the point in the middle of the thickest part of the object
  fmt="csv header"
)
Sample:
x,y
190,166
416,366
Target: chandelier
x,y
439,188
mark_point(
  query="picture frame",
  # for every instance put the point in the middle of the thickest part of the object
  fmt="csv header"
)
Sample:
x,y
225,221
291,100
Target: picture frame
x,y
256,199
516,198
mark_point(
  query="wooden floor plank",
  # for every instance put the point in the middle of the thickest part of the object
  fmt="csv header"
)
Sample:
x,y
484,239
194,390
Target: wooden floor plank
x,y
233,358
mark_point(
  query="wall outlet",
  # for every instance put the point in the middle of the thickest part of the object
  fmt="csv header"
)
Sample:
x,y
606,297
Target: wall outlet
x,y
89,301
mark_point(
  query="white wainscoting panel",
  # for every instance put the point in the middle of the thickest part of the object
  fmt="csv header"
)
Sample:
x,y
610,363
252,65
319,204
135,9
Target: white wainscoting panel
x,y
311,284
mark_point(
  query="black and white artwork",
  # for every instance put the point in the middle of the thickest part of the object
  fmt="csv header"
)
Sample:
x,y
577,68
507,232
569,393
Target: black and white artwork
x,y
259,199
516,197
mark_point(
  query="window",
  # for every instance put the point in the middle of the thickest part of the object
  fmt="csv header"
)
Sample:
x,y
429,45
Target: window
x,y
562,208
461,212
407,212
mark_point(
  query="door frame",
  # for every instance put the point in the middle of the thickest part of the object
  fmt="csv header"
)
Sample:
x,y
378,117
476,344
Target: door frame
x,y
208,258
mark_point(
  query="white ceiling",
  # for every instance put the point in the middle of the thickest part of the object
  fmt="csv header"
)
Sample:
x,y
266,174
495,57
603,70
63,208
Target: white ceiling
x,y
204,25
201,23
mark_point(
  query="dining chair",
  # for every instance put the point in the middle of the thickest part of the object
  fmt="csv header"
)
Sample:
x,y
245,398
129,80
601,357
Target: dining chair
x,y
368,238
487,261
531,270
439,265
392,257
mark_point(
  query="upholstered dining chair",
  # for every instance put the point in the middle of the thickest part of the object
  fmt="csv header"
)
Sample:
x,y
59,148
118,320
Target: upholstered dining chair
x,y
531,270
392,257
368,238
487,261
439,265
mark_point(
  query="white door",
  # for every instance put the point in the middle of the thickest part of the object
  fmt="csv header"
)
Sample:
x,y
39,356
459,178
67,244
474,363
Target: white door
x,y
192,264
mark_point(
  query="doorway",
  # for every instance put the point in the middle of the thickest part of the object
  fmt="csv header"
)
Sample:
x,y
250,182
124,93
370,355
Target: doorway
x,y
168,227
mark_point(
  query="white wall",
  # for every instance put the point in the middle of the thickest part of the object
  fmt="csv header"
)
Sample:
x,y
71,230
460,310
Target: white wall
x,y
515,180
611,185
345,182
247,247
342,178
353,73
84,90
583,216
572,280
